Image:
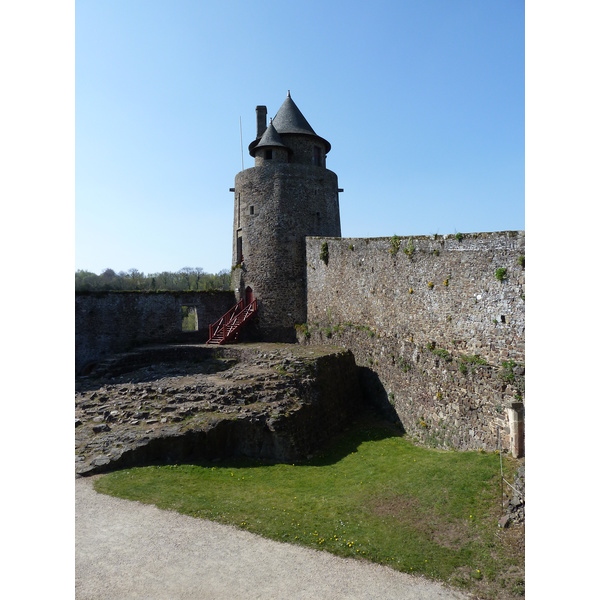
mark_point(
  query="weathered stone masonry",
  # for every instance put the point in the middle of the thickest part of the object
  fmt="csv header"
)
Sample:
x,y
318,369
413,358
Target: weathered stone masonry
x,y
112,322
431,317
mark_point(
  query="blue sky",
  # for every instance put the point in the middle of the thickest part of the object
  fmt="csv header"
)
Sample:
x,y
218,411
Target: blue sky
x,y
423,103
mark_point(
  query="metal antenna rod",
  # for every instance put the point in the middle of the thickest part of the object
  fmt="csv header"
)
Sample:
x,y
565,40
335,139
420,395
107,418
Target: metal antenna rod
x,y
241,143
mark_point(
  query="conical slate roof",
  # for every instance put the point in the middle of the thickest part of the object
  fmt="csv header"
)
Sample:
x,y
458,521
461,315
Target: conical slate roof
x,y
289,119
270,138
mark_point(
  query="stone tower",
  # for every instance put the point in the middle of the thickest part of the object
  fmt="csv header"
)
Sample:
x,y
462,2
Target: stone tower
x,y
288,194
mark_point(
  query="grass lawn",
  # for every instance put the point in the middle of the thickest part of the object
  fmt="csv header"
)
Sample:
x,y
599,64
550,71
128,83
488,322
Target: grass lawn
x,y
372,495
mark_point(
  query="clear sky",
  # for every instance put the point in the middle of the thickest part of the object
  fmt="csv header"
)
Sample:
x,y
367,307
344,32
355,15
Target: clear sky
x,y
423,104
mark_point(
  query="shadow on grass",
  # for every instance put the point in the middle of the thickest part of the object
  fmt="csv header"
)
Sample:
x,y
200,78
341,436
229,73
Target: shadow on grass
x,y
199,449
368,427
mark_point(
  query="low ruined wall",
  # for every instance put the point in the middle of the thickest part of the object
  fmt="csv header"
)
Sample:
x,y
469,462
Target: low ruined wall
x,y
109,322
276,402
431,319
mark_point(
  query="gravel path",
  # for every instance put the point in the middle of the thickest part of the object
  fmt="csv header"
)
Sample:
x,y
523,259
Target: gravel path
x,y
127,550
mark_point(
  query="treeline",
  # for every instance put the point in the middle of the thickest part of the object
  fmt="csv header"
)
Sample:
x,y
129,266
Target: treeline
x,y
184,280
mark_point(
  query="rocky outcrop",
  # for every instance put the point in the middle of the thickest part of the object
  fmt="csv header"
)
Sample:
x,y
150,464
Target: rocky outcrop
x,y
169,404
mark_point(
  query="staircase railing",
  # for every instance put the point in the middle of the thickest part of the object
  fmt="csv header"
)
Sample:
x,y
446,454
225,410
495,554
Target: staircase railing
x,y
214,328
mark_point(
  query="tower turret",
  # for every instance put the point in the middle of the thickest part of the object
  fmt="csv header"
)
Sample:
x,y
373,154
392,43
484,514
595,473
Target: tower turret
x,y
288,194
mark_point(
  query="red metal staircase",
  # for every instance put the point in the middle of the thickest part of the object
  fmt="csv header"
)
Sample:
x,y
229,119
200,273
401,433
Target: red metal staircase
x,y
227,328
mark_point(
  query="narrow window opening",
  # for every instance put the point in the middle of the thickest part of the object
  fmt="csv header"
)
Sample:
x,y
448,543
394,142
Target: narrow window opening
x,y
268,154
240,256
317,156
502,318
252,210
189,318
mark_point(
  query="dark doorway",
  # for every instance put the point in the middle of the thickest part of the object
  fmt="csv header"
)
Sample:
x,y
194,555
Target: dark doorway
x,y
249,296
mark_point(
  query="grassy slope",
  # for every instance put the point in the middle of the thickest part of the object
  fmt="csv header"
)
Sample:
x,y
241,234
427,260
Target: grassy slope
x,y
373,495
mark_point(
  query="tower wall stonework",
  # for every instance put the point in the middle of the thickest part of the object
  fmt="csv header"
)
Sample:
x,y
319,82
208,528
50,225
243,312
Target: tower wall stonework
x,y
276,206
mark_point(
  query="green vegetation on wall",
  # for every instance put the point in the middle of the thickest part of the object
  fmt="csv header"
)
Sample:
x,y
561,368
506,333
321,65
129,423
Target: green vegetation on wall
x,y
324,256
394,245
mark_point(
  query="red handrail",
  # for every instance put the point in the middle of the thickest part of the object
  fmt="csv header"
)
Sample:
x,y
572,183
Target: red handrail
x,y
231,322
214,328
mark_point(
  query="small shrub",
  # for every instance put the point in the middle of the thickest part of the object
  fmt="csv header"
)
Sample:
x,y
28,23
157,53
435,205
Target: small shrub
x,y
474,359
410,290
324,256
351,247
303,329
394,245
446,281
500,274
404,364
410,248
522,261
430,285
459,236
507,374
442,353
436,252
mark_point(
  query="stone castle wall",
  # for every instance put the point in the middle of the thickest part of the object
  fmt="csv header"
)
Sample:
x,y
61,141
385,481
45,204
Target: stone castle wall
x,y
112,322
429,316
438,335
